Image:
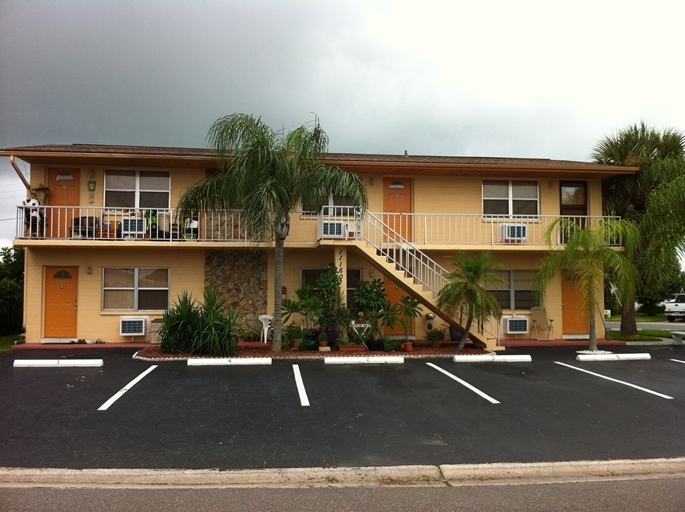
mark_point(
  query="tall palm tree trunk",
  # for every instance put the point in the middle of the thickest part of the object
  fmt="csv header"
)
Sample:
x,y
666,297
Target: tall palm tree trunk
x,y
278,285
628,318
465,336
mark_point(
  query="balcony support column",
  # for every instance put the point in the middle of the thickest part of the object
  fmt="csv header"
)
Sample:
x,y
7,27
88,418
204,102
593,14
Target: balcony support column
x,y
340,259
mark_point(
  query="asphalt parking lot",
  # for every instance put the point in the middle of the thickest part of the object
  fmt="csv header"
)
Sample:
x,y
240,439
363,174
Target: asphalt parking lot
x,y
297,413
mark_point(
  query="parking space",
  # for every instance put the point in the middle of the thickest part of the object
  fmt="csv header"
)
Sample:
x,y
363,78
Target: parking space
x,y
305,413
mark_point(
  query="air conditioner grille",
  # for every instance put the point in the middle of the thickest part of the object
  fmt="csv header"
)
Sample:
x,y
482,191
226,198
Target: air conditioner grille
x,y
333,229
133,325
515,325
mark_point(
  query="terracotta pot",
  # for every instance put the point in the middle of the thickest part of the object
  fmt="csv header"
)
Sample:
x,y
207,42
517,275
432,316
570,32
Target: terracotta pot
x,y
296,344
408,346
323,343
435,344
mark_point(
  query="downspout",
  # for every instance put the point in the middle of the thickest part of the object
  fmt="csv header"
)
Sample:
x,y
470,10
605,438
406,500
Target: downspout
x,y
19,173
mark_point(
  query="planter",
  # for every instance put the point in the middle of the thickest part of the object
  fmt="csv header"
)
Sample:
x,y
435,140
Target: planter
x,y
408,346
296,344
323,343
455,334
352,348
376,345
435,344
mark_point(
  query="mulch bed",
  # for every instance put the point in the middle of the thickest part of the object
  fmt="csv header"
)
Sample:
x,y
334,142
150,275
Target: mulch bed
x,y
153,352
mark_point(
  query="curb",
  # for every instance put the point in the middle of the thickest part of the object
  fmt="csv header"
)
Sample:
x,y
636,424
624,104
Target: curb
x,y
492,358
613,357
55,363
227,361
364,360
426,475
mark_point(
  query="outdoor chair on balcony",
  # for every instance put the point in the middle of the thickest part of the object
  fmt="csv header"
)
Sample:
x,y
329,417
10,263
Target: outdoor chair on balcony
x,y
166,229
541,324
84,227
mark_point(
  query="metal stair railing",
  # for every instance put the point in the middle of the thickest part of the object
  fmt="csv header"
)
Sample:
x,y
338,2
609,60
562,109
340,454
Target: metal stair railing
x,y
404,255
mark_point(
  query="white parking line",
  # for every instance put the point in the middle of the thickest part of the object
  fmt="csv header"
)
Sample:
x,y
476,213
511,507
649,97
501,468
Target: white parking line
x,y
300,386
128,386
464,383
677,361
616,380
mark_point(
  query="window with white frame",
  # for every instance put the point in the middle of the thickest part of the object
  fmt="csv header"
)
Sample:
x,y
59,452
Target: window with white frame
x,y
308,277
137,189
515,290
504,198
135,289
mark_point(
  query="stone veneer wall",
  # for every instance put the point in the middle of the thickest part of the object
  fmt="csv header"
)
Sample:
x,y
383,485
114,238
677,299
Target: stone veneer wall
x,y
240,277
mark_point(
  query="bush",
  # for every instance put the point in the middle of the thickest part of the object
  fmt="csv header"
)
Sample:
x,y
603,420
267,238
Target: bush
x,y
391,345
208,329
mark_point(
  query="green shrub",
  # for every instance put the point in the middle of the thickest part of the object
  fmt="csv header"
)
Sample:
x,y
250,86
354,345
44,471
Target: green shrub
x,y
391,345
209,328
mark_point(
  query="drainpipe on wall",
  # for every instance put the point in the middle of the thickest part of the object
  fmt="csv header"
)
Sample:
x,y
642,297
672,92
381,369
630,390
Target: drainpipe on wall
x,y
19,173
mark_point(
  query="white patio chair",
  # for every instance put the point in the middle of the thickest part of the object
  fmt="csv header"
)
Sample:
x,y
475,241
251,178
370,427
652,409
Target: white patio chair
x,y
266,325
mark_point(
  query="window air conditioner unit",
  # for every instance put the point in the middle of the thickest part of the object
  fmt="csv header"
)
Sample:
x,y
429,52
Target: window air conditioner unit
x,y
333,229
515,324
513,232
133,325
132,226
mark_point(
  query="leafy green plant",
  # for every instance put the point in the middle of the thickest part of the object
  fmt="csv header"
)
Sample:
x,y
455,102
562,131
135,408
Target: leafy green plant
x,y
408,309
209,328
391,345
308,304
436,335
371,300
179,324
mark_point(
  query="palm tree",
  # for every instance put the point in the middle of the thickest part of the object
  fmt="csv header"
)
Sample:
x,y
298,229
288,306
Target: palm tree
x,y
587,258
659,155
464,292
267,174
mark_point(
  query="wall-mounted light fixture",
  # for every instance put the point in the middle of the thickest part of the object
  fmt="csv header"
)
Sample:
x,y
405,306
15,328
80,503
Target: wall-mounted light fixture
x,y
371,273
89,270
371,181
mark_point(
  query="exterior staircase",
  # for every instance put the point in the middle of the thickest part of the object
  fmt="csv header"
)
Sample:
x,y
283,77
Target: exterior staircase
x,y
410,268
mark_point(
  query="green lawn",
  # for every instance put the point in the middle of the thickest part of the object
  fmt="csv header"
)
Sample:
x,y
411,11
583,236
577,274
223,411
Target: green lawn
x,y
6,342
640,318
645,335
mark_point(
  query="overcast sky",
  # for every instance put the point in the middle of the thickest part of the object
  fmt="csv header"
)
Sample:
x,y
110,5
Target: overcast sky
x,y
508,78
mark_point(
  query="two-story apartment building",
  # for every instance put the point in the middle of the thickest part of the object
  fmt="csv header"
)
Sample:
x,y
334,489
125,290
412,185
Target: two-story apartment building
x,y
106,253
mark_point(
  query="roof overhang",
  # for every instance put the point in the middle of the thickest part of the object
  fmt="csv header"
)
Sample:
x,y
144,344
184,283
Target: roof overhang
x,y
385,165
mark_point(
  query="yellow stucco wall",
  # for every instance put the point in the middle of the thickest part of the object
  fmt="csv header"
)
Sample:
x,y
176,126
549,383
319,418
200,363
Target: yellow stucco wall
x,y
186,273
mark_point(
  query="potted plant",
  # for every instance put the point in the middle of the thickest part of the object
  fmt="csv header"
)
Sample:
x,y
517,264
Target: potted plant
x,y
294,334
323,339
354,344
408,309
435,336
308,304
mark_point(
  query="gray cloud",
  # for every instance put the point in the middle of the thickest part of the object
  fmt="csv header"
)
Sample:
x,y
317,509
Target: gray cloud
x,y
532,79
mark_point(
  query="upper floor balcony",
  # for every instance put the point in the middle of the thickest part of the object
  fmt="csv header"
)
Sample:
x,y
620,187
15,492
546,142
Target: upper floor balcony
x,y
334,223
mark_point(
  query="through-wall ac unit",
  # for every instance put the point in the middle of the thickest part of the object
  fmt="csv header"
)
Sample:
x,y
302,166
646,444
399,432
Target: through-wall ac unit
x,y
515,324
133,325
333,229
513,232
132,226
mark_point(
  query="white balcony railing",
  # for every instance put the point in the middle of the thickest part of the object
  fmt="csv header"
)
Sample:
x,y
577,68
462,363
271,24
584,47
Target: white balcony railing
x,y
426,230
339,222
